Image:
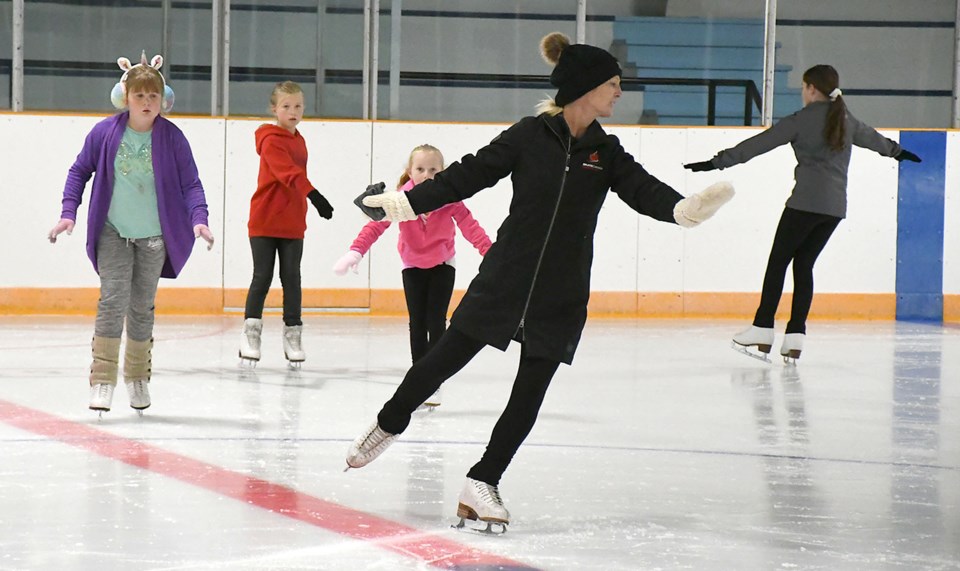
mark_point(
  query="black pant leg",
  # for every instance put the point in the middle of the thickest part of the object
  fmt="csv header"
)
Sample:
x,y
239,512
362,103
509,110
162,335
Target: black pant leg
x,y
439,292
264,252
415,292
291,253
803,262
517,420
452,353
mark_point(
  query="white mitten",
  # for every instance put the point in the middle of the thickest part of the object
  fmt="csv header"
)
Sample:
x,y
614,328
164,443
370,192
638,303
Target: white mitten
x,y
395,204
348,261
696,208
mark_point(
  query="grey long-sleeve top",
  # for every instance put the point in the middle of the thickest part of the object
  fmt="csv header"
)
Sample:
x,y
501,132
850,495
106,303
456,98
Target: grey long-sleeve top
x,y
821,173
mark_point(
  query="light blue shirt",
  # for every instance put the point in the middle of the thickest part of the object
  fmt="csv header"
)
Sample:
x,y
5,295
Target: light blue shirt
x,y
133,209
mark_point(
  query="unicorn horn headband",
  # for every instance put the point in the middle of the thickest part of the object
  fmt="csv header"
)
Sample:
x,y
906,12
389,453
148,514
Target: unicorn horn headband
x,y
118,94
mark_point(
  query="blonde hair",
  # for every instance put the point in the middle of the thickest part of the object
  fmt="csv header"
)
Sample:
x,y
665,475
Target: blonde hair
x,y
405,177
548,106
285,88
143,78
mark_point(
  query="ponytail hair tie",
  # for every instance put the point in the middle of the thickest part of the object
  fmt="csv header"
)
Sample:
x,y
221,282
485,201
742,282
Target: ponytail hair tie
x,y
835,93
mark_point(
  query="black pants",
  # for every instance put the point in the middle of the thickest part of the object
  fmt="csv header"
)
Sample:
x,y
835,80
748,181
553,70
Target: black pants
x,y
265,251
800,237
428,295
451,353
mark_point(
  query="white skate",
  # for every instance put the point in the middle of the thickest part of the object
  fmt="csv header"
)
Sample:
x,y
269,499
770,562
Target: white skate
x,y
368,446
292,346
480,502
791,348
754,342
139,395
250,342
101,396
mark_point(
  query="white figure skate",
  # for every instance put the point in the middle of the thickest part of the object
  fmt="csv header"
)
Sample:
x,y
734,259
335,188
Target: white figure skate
x,y
480,502
754,342
101,397
791,348
292,345
368,446
250,342
139,395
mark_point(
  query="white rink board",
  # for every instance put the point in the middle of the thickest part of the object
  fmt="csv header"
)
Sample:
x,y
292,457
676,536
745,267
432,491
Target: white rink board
x,y
726,254
951,217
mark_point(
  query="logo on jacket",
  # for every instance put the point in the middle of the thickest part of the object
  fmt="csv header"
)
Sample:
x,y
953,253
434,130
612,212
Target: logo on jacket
x,y
592,160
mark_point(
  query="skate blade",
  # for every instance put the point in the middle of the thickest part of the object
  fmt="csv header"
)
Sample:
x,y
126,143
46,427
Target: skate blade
x,y
790,360
746,351
294,365
248,363
494,528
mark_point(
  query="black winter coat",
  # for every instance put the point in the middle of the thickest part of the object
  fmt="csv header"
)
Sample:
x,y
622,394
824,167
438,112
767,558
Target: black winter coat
x,y
534,282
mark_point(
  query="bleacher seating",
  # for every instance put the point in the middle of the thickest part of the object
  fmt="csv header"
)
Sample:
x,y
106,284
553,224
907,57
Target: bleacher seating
x,y
663,47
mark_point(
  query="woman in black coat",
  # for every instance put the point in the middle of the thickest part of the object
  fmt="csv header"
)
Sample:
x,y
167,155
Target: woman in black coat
x,y
534,282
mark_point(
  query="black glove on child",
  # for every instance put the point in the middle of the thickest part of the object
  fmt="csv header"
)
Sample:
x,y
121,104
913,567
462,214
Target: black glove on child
x,y
374,213
320,203
702,166
905,155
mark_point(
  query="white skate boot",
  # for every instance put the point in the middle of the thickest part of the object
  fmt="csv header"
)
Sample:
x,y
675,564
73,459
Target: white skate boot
x,y
250,341
137,368
368,446
292,346
791,348
139,393
481,501
758,338
101,397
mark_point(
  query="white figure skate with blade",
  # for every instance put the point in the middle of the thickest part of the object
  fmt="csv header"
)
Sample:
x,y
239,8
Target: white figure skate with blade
x,y
792,347
754,342
480,502
250,342
293,345
368,446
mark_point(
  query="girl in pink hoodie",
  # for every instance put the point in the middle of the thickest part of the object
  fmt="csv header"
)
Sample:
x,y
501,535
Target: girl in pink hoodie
x,y
426,247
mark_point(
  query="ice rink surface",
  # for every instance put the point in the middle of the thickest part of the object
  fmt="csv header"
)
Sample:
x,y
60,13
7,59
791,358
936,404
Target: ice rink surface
x,y
660,448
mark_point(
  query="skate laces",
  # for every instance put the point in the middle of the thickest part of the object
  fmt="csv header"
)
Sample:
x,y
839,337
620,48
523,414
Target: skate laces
x,y
103,390
293,339
489,494
376,440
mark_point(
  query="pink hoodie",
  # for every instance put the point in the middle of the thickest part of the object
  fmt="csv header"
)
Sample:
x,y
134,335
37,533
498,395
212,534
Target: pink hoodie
x,y
427,241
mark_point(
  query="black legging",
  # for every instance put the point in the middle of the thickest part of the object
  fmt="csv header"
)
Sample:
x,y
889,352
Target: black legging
x,y
265,251
451,353
427,292
800,237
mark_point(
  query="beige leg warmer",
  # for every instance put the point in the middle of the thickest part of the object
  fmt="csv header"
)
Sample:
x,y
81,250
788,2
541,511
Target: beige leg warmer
x,y
106,358
137,360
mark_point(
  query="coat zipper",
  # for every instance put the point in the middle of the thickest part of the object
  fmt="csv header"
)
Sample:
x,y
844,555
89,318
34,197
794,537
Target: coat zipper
x,y
543,250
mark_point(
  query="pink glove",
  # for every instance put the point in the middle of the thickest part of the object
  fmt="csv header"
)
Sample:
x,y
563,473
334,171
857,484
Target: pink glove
x,y
64,225
348,261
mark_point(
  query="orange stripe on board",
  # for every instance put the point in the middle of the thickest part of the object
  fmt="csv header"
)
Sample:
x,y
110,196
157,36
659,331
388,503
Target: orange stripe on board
x,y
276,498
174,301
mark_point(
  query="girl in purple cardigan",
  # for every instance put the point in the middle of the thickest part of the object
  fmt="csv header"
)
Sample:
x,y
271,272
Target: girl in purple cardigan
x,y
426,248
147,206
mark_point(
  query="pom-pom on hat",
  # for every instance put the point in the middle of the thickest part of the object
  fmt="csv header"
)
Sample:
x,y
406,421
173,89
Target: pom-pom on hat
x,y
578,68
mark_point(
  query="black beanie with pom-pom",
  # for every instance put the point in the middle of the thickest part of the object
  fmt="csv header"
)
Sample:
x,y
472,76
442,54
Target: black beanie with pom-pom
x,y
579,68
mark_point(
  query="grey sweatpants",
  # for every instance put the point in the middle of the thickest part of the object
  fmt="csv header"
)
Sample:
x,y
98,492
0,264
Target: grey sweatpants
x,y
129,273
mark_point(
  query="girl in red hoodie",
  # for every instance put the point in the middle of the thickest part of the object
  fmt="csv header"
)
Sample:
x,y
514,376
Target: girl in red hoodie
x,y
278,212
426,248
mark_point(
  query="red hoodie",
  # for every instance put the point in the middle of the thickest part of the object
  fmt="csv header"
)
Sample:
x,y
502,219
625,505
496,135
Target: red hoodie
x,y
278,208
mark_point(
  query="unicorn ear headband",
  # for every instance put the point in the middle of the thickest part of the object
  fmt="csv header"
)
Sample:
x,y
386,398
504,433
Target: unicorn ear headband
x,y
119,91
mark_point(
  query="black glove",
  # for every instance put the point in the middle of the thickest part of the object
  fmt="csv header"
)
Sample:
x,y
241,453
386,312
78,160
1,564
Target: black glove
x,y
372,212
320,203
905,155
702,166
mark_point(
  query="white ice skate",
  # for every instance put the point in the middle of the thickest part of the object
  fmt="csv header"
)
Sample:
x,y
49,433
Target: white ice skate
x,y
368,446
791,348
480,502
754,342
101,396
292,346
250,342
139,392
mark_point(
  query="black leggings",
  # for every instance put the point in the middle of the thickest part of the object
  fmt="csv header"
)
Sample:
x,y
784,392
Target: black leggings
x,y
265,251
451,353
800,237
428,295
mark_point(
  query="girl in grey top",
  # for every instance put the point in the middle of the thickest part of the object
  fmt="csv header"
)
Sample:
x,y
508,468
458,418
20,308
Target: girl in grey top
x,y
822,135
